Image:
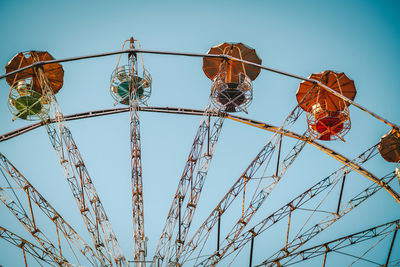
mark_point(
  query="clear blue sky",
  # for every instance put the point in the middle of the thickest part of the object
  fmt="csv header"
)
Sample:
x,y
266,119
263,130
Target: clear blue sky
x,y
360,38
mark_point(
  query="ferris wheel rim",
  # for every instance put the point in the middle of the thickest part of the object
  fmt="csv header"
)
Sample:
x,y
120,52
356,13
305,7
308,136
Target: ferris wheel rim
x,y
222,56
197,112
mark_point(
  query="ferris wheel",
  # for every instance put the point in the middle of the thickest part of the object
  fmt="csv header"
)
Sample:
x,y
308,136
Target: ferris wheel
x,y
235,223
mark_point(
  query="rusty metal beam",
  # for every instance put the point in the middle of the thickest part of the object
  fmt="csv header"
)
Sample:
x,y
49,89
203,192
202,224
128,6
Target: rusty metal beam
x,y
306,235
193,178
302,199
391,245
227,57
337,156
37,252
16,208
263,157
337,244
34,196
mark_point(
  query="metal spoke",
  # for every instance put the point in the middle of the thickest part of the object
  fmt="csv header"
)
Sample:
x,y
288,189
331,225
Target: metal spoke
x,y
196,166
300,200
37,252
340,243
255,205
263,156
96,220
68,232
17,209
307,235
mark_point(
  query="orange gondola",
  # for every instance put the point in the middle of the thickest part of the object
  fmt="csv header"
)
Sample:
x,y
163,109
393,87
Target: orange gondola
x,y
27,100
389,146
327,115
54,72
232,88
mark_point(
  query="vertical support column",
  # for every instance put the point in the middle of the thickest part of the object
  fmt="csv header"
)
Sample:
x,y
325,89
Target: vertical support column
x,y
58,239
219,232
325,254
208,135
341,193
139,248
23,251
79,180
180,219
251,250
391,247
288,226
279,156
30,209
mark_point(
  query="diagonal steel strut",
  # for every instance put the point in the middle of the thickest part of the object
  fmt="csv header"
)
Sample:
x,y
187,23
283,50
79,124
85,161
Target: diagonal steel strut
x,y
139,238
255,205
300,200
96,219
340,243
69,233
17,209
197,185
199,159
307,235
37,252
263,156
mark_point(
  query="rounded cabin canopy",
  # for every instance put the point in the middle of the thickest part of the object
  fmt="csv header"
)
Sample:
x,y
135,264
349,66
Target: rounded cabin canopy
x,y
389,146
213,66
54,71
322,99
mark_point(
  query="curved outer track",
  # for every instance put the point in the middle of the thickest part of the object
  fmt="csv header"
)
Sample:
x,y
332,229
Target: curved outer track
x,y
198,112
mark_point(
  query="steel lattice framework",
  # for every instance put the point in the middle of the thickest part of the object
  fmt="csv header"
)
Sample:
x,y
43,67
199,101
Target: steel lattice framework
x,y
196,166
26,246
254,205
298,202
34,196
197,184
340,243
73,165
139,238
311,232
350,164
176,251
264,156
28,221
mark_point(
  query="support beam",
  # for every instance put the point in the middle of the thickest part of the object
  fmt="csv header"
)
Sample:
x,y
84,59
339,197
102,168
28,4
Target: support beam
x,y
341,193
94,215
196,186
306,235
391,245
193,178
27,247
202,234
288,227
337,244
255,204
139,238
34,196
218,232
90,114
302,199
325,255
279,156
16,208
251,251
